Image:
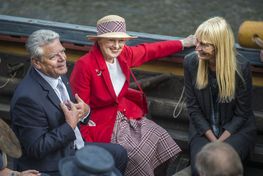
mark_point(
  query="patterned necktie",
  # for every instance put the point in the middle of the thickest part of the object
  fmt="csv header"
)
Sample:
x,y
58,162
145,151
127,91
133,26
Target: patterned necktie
x,y
78,143
62,90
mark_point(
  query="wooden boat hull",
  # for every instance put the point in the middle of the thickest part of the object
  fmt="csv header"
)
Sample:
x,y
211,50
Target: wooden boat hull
x,y
162,80
14,32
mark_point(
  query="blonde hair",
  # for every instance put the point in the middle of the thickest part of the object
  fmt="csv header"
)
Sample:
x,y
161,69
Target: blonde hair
x,y
219,33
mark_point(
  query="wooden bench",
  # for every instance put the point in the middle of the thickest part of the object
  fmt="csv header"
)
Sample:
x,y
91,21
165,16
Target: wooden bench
x,y
163,92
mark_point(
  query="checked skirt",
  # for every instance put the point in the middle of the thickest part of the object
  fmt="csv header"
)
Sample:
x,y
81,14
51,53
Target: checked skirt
x,y
148,145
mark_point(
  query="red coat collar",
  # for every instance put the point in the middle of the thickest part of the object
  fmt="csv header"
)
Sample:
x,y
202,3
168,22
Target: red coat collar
x,y
102,70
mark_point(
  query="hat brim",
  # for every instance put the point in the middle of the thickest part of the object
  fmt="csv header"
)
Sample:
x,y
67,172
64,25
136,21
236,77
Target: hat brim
x,y
67,167
115,35
9,143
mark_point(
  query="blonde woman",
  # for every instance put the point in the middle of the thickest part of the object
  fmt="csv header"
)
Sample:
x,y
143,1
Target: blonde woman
x,y
218,91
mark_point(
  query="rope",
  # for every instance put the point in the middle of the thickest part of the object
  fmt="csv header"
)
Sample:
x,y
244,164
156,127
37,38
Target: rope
x,y
180,101
8,80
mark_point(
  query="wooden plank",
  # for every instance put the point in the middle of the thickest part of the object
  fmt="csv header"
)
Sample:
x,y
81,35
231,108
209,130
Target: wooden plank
x,y
75,35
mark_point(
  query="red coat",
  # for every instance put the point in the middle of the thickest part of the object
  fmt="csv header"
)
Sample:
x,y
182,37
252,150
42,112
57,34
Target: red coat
x,y
91,80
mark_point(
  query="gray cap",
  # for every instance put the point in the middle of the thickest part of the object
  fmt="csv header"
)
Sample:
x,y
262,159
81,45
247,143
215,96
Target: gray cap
x,y
90,160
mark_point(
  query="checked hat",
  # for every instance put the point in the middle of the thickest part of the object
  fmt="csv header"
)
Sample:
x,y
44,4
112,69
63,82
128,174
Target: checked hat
x,y
111,26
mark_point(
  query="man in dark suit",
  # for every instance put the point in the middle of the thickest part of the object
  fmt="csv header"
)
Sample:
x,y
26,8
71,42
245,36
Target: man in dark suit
x,y
43,115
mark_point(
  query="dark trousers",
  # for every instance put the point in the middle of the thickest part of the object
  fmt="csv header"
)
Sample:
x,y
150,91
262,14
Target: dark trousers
x,y
119,154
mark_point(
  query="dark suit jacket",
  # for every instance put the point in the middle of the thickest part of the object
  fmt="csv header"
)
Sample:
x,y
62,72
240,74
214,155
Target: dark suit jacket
x,y
236,116
39,124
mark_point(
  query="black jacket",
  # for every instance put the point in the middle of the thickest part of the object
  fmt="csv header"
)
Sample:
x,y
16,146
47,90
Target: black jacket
x,y
236,116
39,124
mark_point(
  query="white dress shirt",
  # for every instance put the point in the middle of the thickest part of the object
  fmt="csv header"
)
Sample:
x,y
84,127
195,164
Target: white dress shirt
x,y
116,75
78,143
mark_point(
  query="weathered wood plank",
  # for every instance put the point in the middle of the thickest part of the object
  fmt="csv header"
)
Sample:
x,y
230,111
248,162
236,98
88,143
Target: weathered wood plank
x,y
164,109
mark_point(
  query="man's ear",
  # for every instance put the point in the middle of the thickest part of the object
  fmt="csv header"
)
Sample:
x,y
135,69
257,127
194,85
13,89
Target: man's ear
x,y
36,63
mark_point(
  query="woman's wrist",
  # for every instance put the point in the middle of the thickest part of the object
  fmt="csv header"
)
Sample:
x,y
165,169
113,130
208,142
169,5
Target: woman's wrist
x,y
210,136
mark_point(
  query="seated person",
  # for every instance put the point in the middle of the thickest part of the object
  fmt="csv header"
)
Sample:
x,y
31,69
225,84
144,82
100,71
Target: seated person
x,y
102,77
43,114
4,171
10,145
218,90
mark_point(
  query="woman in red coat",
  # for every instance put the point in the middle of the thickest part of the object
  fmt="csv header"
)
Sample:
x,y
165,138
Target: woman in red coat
x,y
102,77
